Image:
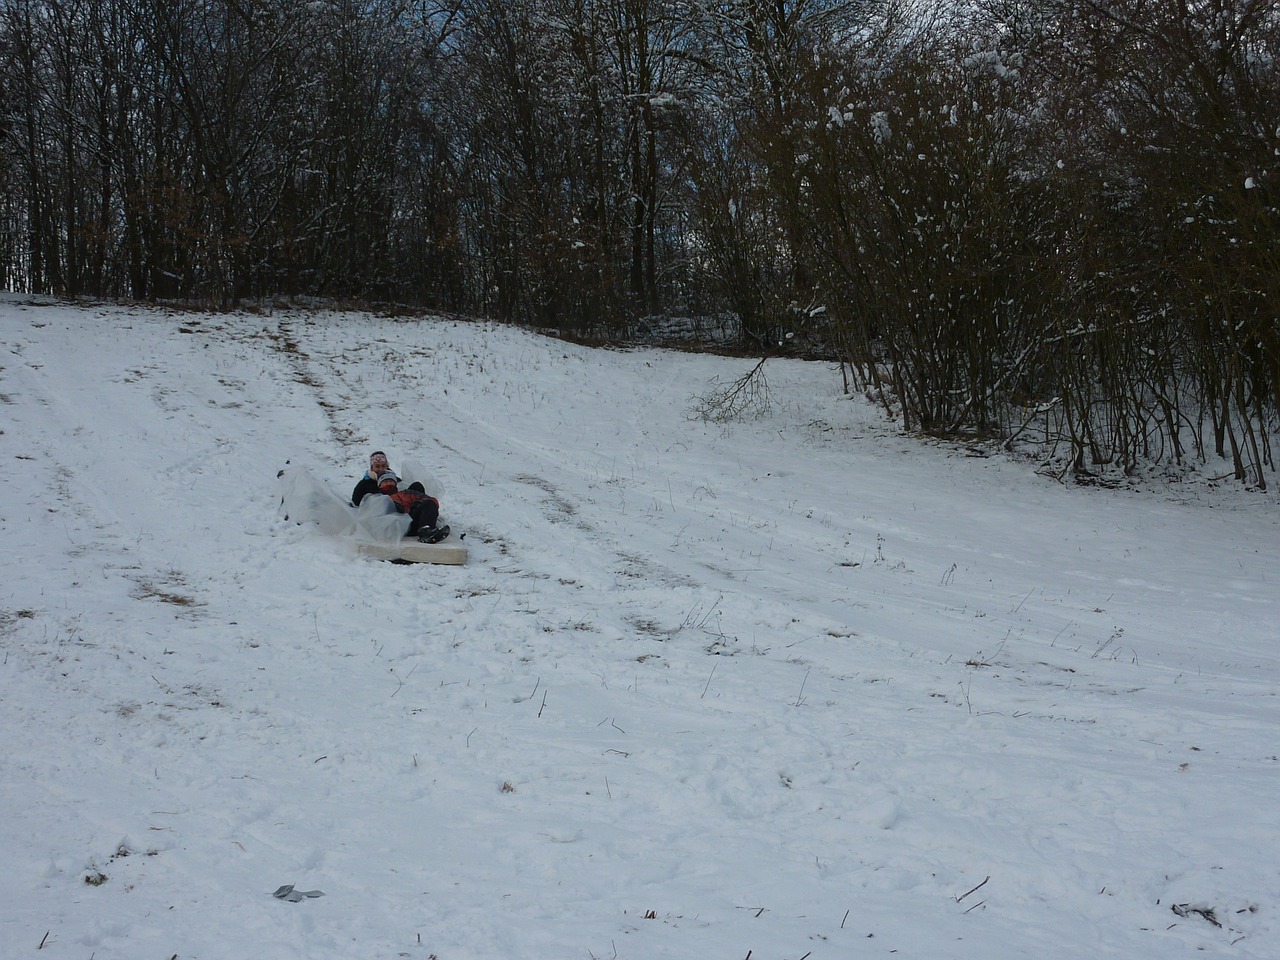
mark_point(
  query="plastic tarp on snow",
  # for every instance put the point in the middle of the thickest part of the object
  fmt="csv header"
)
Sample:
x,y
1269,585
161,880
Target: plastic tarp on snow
x,y
304,498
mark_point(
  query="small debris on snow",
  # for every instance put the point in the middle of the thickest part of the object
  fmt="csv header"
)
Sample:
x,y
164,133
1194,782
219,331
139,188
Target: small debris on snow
x,y
287,892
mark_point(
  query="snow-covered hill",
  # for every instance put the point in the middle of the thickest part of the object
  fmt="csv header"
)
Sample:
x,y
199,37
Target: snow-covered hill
x,y
792,686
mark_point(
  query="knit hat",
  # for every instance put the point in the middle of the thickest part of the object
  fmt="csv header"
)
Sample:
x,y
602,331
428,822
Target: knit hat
x,y
378,462
390,478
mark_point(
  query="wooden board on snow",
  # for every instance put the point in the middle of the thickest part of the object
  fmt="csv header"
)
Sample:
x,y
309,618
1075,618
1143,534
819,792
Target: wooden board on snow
x,y
409,550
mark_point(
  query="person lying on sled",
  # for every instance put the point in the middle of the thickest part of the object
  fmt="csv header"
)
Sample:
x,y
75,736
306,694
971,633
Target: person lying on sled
x,y
423,510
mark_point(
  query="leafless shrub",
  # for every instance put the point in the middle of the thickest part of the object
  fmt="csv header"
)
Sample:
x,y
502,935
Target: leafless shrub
x,y
747,397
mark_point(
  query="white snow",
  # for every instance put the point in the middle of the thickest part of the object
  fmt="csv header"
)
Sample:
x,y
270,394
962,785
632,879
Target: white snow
x,y
791,687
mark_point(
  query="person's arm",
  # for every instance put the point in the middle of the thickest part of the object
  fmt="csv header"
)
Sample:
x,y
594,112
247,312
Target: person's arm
x,y
366,486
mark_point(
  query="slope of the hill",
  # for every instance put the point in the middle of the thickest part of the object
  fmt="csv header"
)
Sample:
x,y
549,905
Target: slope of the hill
x,y
791,686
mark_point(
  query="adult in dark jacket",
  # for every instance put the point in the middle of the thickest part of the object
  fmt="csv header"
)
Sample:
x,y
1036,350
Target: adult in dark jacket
x,y
368,484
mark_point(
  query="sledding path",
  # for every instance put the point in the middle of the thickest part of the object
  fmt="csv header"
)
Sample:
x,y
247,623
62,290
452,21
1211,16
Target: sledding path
x,y
786,686
682,539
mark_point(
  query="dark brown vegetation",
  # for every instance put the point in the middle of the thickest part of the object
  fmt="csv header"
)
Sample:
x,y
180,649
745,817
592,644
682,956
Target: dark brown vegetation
x,y
1050,220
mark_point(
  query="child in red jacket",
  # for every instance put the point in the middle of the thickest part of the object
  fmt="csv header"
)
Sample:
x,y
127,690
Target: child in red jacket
x,y
423,511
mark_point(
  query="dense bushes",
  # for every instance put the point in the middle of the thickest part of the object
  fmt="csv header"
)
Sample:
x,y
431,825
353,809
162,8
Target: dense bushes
x,y
1050,220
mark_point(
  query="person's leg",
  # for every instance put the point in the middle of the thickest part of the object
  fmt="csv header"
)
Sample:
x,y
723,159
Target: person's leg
x,y
423,515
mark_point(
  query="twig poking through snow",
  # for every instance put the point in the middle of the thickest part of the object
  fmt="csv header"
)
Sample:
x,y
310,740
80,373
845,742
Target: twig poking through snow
x,y
975,889
536,684
800,695
1200,909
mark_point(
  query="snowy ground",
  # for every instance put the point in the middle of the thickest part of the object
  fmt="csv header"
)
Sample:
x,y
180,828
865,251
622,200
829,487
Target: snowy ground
x,y
788,687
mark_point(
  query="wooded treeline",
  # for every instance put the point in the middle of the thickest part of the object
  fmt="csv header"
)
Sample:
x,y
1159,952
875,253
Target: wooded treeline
x,y
1048,219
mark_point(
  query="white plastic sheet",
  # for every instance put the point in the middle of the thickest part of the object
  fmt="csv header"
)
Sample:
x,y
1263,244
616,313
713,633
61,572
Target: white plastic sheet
x,y
304,498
